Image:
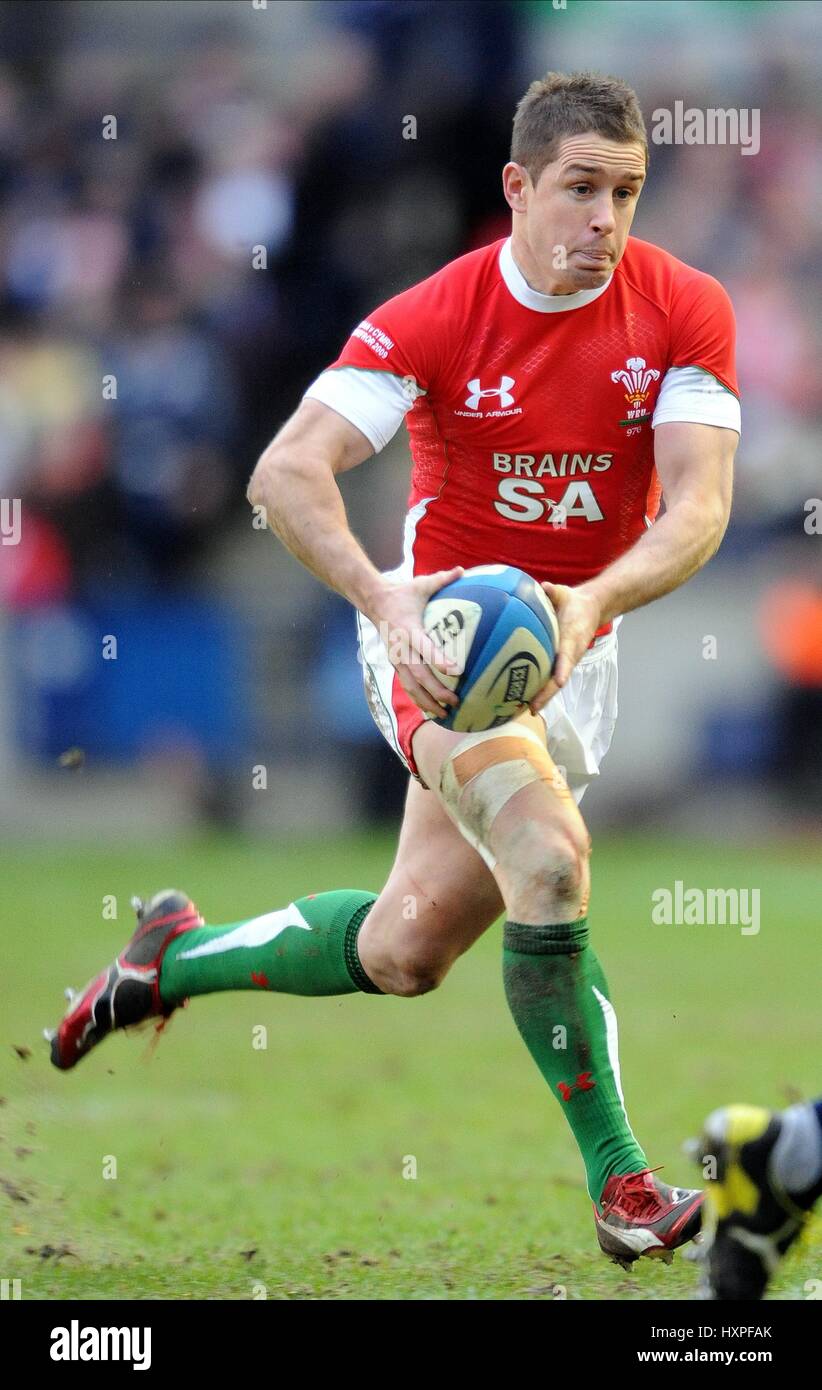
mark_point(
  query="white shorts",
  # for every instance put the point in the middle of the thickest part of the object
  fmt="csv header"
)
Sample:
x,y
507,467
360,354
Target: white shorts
x,y
580,719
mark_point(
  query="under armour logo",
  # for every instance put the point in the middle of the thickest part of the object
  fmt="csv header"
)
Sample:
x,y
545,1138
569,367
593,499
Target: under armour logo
x,y
477,392
582,1083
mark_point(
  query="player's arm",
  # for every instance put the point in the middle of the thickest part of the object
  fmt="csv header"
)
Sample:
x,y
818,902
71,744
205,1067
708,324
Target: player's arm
x,y
295,482
695,467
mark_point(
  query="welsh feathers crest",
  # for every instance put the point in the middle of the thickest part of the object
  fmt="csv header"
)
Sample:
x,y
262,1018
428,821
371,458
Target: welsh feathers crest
x,y
636,378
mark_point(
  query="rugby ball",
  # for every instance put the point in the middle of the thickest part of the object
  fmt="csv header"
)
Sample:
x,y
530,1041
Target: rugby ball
x,y
501,627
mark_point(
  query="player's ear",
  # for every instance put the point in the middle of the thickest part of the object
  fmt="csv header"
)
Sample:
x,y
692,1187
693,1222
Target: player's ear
x,y
515,180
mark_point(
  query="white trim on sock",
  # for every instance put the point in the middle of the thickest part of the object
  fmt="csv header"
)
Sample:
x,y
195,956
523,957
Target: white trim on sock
x,y
256,932
612,1041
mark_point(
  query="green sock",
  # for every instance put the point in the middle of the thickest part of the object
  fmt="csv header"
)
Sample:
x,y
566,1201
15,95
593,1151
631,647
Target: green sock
x,y
309,947
559,998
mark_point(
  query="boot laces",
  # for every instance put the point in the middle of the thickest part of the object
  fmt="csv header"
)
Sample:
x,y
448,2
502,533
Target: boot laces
x,y
636,1199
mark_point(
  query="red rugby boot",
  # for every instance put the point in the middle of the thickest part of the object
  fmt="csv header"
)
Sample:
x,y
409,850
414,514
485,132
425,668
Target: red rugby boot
x,y
643,1216
127,992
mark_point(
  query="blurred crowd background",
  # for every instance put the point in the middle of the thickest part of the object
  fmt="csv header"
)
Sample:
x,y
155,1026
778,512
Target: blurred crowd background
x,y
172,281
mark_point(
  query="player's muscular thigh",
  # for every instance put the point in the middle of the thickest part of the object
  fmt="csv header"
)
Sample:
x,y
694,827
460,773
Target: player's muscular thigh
x,y
513,805
438,899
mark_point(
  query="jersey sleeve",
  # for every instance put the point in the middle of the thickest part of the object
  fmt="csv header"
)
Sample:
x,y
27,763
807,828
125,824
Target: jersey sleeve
x,y
375,402
703,330
390,359
692,395
700,385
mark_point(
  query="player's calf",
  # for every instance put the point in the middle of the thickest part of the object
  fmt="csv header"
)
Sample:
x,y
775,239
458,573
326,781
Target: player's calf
x,y
404,956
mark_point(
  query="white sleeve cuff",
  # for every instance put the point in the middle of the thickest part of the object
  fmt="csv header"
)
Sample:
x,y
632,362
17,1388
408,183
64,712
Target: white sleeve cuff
x,y
375,402
693,396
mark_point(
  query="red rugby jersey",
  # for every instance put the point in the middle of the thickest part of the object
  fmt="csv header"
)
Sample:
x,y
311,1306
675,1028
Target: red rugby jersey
x,y
532,442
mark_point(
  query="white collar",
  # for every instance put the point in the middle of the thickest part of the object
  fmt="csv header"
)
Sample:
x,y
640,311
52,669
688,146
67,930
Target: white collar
x,y
535,299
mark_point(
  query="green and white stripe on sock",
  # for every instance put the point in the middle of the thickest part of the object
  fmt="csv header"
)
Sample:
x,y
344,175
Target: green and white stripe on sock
x,y
559,998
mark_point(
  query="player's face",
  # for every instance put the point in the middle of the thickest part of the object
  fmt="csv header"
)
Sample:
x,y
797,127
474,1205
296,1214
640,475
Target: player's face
x,y
576,220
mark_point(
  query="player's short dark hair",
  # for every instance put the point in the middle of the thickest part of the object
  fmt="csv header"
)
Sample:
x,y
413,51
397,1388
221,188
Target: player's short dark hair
x,y
563,103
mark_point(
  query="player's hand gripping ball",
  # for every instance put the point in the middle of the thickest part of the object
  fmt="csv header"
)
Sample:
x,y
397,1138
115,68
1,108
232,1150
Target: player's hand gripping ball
x,y
500,626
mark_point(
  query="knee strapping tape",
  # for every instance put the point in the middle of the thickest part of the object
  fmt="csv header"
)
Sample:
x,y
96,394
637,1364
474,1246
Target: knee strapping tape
x,y
485,770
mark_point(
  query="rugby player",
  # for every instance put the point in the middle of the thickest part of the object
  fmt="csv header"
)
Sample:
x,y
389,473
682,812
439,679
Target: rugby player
x,y
556,384
763,1171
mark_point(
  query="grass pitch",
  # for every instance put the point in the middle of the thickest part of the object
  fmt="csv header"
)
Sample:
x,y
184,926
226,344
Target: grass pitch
x,y
245,1172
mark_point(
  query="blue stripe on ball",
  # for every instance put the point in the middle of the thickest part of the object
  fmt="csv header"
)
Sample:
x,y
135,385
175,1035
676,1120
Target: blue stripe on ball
x,y
528,591
507,580
492,603
515,614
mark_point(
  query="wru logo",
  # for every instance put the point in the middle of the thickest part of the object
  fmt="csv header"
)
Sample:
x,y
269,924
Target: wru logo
x,y
636,379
